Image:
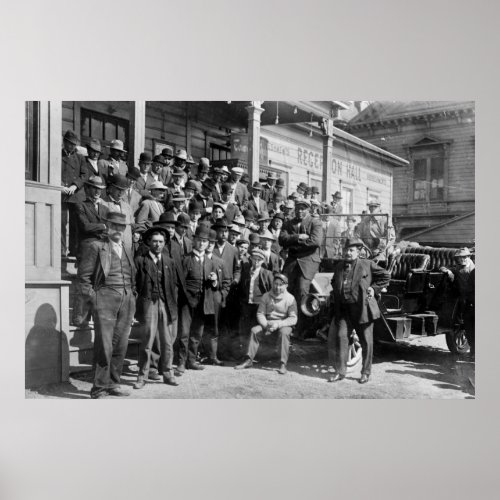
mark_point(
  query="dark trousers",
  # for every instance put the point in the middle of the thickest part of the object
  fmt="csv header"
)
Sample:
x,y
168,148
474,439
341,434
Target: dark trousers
x,y
257,334
298,286
157,325
113,314
338,340
469,325
192,325
248,319
155,357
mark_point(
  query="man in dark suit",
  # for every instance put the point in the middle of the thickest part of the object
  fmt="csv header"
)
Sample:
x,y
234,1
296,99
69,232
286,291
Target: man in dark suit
x,y
91,161
73,174
114,165
301,237
156,284
255,202
230,209
203,279
180,237
240,192
143,183
272,260
355,283
205,198
268,189
108,279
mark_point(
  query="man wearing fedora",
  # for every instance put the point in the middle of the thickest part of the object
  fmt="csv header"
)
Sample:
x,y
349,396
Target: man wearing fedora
x,y
145,180
255,202
151,210
115,202
203,278
168,154
158,173
276,315
91,161
355,283
107,275
335,205
462,277
231,210
73,174
301,238
180,237
201,174
175,186
114,165
269,188
180,164
302,188
272,261
373,229
157,283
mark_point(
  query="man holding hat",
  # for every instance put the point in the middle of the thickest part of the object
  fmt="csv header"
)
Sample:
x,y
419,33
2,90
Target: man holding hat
x,y
240,191
157,283
301,237
73,174
203,279
276,314
114,164
256,203
355,283
462,277
107,277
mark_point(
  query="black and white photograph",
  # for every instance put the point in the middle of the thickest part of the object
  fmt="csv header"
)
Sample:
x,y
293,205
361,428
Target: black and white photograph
x,y
250,249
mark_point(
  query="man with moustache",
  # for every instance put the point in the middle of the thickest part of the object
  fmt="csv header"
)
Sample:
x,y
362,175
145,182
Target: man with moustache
x,y
355,283
107,277
301,237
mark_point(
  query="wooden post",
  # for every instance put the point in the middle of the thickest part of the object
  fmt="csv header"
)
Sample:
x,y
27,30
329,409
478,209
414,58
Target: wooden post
x,y
327,129
138,125
254,112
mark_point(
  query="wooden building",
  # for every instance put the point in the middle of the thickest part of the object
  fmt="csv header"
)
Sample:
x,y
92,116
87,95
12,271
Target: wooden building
x,y
434,194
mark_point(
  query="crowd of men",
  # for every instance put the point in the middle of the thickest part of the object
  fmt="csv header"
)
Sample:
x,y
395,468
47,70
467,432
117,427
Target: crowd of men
x,y
208,264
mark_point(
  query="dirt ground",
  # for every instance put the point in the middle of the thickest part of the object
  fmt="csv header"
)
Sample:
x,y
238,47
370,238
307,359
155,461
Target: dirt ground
x,y
422,369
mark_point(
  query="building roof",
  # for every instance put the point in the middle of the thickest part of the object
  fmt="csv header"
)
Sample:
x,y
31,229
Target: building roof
x,y
381,111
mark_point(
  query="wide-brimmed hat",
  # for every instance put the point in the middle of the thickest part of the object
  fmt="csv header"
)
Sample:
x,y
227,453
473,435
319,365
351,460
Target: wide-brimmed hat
x,y
354,242
272,176
159,159
116,218
96,181
204,162
178,172
288,204
245,179
337,195
350,217
178,197
239,220
157,185
208,184
145,157
234,228
279,215
190,160
220,205
195,205
294,196
237,170
119,181
267,235
133,173
300,202
212,235
315,190
118,145
220,224
303,185
249,214
263,217
94,145
280,182
257,185
462,252
202,231
373,203
167,151
254,238
181,154
165,218
70,136
191,185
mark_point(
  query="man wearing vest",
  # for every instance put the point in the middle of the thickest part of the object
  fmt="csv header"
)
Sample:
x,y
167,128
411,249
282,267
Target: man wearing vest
x,y
355,282
108,279
157,285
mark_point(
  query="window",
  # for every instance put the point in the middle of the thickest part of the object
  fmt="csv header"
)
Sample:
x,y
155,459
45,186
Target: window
x,y
32,165
347,200
218,152
106,128
428,179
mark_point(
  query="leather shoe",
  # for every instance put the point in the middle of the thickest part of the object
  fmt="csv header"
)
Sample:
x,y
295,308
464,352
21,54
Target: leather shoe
x,y
336,378
215,362
196,366
179,371
364,378
98,394
154,376
119,392
282,369
140,383
170,380
246,364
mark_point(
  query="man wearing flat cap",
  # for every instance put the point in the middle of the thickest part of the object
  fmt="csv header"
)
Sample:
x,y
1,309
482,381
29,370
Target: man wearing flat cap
x,y
355,283
276,315
114,165
73,174
301,238
107,277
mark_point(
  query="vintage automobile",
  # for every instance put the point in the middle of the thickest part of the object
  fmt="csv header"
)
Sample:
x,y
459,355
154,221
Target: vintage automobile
x,y
418,301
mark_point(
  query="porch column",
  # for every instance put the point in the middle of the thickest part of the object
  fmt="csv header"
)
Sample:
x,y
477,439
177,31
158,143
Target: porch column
x,y
254,112
138,125
327,129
